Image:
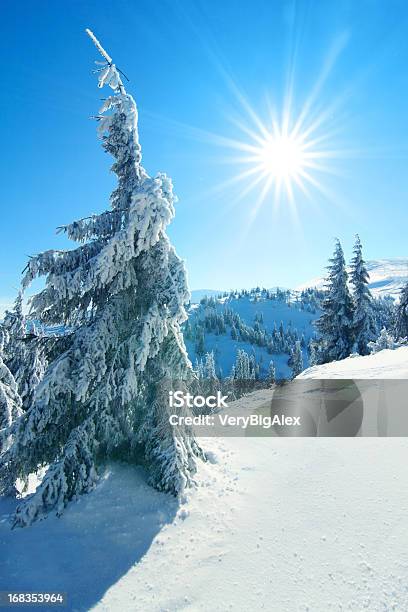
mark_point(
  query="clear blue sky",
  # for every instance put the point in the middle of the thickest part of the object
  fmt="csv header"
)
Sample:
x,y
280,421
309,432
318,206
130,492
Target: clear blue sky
x,y
189,63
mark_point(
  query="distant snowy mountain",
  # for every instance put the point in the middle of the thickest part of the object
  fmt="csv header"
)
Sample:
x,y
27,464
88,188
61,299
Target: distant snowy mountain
x,y
387,277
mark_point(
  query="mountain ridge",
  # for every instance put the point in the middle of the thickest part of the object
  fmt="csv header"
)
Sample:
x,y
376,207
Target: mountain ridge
x,y
387,277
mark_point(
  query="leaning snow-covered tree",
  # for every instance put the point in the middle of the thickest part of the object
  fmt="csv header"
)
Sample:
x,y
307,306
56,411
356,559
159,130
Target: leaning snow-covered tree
x,y
122,295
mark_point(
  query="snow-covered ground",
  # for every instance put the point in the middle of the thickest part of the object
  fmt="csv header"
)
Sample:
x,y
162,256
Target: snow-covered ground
x,y
387,277
385,364
275,524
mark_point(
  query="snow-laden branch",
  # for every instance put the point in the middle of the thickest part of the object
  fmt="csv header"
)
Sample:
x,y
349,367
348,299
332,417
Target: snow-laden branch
x,y
98,46
109,75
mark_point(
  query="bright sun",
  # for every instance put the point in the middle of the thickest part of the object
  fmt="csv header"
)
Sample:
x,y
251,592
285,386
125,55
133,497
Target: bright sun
x,y
282,157
286,157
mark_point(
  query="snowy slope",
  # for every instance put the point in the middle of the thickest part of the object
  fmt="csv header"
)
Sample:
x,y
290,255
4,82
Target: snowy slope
x,y
384,364
273,311
387,277
225,351
282,525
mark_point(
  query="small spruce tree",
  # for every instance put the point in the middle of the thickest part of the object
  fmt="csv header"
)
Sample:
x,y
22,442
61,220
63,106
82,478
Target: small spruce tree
x,y
243,372
200,342
211,383
386,341
271,376
297,359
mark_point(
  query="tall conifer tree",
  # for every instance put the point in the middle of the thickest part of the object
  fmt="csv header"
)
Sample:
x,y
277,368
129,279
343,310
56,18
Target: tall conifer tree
x,y
364,328
336,322
122,293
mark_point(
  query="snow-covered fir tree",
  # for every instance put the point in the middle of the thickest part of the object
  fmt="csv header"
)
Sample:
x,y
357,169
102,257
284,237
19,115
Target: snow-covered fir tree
x,y
200,343
209,366
206,381
243,372
24,354
10,404
297,360
14,326
32,369
364,327
401,330
271,376
335,325
211,383
234,333
315,351
122,292
385,312
386,341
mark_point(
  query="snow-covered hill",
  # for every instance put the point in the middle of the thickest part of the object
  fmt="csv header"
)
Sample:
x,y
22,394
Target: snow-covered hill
x,y
387,277
274,308
384,364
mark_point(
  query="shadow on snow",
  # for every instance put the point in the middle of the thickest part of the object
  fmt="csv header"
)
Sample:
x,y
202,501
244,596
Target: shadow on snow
x,y
96,541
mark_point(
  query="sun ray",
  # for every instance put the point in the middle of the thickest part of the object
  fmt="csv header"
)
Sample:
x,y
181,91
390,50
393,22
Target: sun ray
x,y
286,156
289,154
